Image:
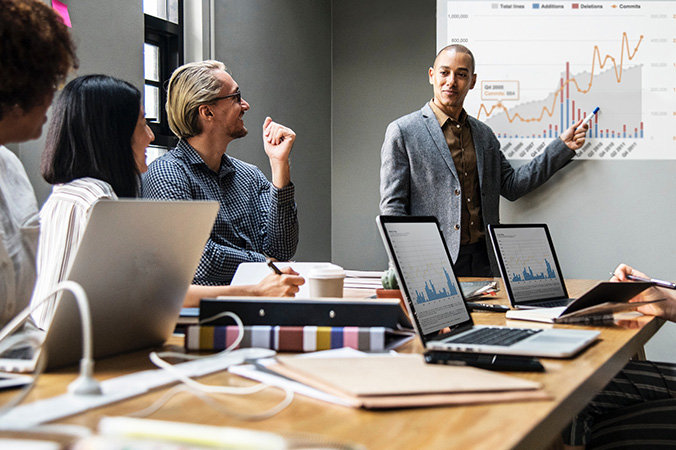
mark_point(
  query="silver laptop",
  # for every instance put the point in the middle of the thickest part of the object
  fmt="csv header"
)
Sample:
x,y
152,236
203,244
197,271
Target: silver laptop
x,y
437,307
135,262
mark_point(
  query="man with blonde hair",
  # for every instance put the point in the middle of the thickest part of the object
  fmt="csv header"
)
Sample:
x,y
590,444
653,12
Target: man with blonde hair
x,y
257,218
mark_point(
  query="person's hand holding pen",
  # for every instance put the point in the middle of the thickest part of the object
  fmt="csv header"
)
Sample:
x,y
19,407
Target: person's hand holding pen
x,y
665,309
281,283
575,136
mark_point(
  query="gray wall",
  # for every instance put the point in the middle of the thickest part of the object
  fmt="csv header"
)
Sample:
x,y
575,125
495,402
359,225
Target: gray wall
x,y
280,55
109,39
381,52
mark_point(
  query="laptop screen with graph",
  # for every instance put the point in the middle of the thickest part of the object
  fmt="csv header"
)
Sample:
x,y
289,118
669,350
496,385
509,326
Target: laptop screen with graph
x,y
426,273
416,247
528,263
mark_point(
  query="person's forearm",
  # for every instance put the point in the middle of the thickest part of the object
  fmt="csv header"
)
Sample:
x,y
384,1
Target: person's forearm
x,y
669,306
196,293
219,262
281,173
281,236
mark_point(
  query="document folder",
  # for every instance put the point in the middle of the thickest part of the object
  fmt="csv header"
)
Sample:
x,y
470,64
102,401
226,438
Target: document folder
x,y
334,312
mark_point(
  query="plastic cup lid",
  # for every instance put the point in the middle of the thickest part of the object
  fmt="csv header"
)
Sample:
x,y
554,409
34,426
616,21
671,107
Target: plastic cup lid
x,y
327,271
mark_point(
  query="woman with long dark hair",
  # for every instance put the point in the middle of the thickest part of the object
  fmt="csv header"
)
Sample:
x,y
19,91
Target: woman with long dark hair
x,y
95,150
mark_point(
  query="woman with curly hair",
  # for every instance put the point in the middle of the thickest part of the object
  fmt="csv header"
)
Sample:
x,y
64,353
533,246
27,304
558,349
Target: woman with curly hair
x,y
36,55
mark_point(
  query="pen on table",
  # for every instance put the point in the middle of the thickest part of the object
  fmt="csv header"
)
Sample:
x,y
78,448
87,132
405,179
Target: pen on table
x,y
660,283
274,268
590,116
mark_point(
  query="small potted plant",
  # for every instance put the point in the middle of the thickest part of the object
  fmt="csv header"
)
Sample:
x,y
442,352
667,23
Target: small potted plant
x,y
390,287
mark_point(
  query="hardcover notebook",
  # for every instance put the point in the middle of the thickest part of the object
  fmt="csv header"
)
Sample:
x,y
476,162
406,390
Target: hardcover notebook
x,y
533,278
367,382
295,338
437,307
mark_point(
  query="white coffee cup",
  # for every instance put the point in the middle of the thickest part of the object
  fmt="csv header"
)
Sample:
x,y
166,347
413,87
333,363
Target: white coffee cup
x,y
326,280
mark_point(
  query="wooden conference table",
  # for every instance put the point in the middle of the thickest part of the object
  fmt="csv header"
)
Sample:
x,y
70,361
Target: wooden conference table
x,y
522,425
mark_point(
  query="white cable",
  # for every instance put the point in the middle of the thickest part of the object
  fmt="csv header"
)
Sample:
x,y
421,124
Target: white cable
x,y
85,384
203,391
207,398
162,364
238,322
240,336
66,429
39,367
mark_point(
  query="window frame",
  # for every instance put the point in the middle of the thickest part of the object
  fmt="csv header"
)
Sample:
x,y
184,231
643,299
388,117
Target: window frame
x,y
168,37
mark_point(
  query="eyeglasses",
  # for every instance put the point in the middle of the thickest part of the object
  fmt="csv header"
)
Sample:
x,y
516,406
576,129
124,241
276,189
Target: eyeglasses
x,y
237,95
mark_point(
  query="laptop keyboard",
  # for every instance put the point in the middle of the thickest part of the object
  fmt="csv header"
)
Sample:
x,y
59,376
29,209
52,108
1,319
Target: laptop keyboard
x,y
553,303
494,336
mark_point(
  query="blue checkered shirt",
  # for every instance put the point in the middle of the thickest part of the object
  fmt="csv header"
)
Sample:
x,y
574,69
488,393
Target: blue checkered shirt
x,y
255,218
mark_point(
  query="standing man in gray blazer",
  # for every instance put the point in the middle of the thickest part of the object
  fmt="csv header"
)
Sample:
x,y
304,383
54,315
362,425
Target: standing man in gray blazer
x,y
439,161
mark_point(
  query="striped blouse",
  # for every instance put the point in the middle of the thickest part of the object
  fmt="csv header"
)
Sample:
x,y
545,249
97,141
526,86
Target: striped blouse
x,y
63,219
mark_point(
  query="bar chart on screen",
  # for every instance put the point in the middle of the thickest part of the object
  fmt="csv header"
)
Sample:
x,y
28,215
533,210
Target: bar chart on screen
x,y
542,66
529,262
427,273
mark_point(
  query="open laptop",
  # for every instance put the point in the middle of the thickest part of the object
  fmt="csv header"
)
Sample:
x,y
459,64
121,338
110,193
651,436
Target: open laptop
x,y
135,262
529,266
437,307
532,276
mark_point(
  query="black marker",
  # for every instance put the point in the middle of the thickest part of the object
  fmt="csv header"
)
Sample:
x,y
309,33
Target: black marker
x,y
274,268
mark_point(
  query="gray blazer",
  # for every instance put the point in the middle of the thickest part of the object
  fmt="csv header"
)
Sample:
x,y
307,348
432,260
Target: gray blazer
x,y
418,176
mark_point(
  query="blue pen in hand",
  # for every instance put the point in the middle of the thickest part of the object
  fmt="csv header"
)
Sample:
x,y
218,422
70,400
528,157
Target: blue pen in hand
x,y
660,283
590,116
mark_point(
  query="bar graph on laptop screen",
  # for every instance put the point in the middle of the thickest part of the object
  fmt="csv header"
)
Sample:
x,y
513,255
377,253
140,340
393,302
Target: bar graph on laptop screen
x,y
529,263
428,275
